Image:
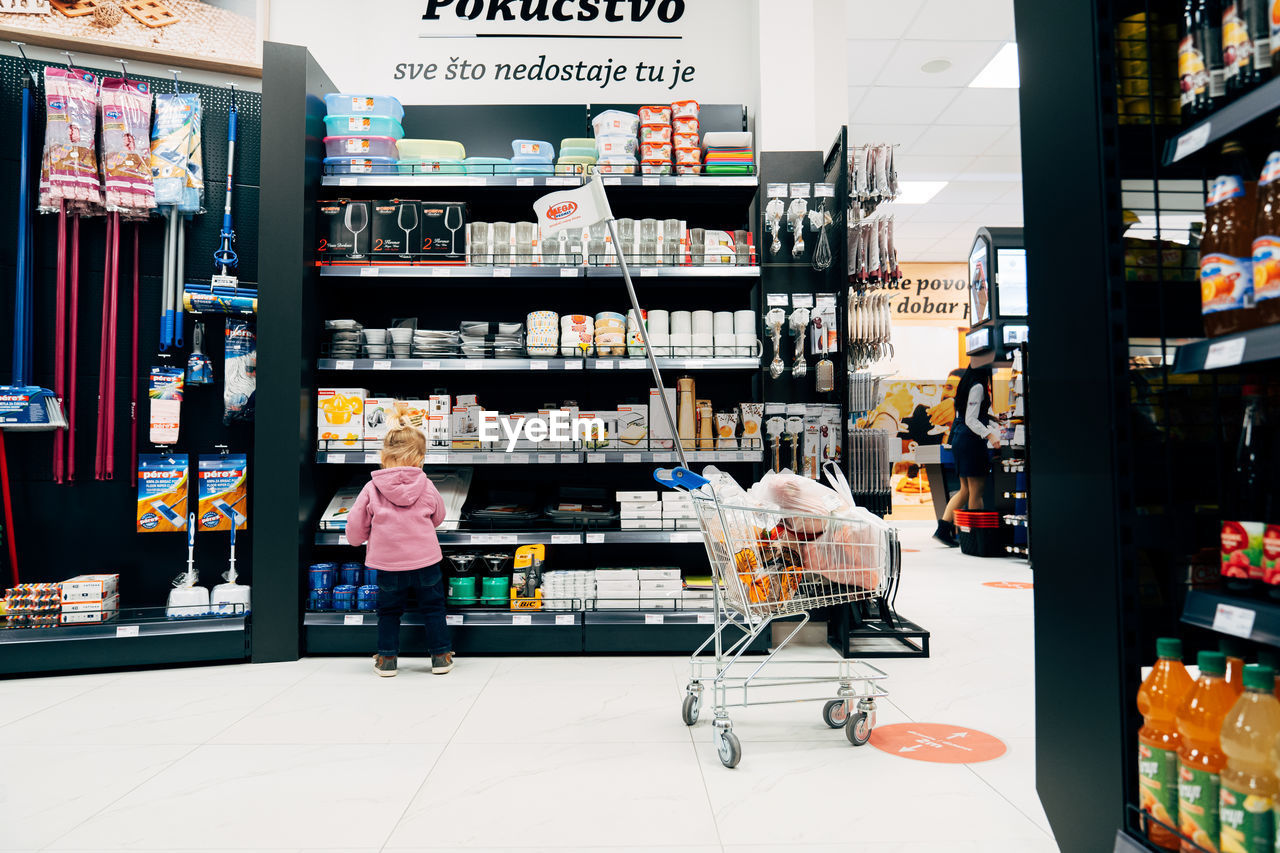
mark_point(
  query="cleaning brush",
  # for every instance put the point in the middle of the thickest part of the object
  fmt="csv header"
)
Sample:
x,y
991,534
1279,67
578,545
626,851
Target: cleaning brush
x,y
199,368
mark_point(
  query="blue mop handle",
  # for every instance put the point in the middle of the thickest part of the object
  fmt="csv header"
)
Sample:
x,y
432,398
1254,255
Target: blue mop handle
x,y
225,256
22,295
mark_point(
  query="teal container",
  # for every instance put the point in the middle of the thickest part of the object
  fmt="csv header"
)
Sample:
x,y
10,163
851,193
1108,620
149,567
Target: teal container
x,y
495,592
462,591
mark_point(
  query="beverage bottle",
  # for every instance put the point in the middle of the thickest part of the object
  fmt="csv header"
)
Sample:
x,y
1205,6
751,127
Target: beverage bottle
x,y
1249,788
1200,755
1266,237
1246,44
1234,653
1159,698
1226,252
1243,528
1271,659
1212,41
1193,64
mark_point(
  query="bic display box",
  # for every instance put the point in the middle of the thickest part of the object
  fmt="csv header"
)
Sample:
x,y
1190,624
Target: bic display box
x,y
397,228
90,588
87,612
636,497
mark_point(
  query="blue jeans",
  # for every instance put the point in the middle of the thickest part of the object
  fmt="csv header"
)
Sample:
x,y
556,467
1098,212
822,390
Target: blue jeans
x,y
393,594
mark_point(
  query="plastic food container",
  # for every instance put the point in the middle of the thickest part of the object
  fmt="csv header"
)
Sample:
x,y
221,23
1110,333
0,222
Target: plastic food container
x,y
431,149
360,146
354,125
574,166
360,165
532,168
577,142
615,122
684,109
650,151
566,153
688,168
660,114
432,167
487,166
616,165
370,105
544,151
686,140
657,167
727,139
617,146
687,156
655,133
685,124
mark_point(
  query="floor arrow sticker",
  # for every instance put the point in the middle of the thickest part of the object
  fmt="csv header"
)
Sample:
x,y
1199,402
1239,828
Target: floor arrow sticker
x,y
1008,585
937,742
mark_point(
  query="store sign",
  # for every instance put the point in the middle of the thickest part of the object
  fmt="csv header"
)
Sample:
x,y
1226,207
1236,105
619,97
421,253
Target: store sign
x,y
933,294
528,51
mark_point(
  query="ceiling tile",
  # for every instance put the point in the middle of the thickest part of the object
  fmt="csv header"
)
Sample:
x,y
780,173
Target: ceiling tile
x,y
974,192
985,106
924,168
862,133
1013,196
903,67
1009,144
856,94
955,140
1003,215
1004,168
875,19
919,231
948,20
905,105
866,58
953,213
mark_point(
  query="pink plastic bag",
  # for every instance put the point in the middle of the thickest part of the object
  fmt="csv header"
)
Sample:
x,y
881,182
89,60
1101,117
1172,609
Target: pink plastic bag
x,y
847,547
69,164
126,145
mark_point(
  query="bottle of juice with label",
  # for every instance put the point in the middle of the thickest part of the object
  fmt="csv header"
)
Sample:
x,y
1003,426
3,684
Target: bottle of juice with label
x,y
1246,44
1249,785
1159,698
1266,236
1193,64
1200,755
1234,653
1226,252
1247,504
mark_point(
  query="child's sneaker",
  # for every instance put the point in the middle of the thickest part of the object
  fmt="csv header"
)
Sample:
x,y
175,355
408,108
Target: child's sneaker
x,y
440,664
384,665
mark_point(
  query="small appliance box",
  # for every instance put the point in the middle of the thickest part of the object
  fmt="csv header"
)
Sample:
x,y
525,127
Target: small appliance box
x,y
442,234
90,588
660,436
86,612
439,417
641,523
465,428
636,497
396,230
633,425
378,412
340,418
335,240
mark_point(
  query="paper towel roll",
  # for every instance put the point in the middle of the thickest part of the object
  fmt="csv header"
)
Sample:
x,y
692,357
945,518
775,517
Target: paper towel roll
x,y
723,323
703,323
681,323
659,321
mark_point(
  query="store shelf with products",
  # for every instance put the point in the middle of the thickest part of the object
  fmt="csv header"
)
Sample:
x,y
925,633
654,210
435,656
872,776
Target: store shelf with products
x,y
547,537
1249,347
520,365
538,272
576,457
1253,619
542,182
1256,107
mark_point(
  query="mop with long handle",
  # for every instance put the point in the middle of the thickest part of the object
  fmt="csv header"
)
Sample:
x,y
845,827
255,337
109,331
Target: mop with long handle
x,y
133,369
60,342
75,348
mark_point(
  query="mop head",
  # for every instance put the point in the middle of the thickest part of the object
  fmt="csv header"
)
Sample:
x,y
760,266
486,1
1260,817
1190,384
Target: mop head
x,y
30,409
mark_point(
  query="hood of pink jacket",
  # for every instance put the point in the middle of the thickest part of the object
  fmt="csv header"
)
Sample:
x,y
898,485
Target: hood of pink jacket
x,y
400,486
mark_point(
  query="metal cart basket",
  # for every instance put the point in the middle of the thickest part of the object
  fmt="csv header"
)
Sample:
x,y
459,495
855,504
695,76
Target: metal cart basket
x,y
770,564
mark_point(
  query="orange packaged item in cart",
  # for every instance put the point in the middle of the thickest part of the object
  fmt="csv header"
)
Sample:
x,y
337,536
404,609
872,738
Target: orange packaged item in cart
x,y
1159,698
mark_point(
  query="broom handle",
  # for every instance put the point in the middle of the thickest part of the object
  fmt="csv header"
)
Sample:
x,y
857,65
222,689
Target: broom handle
x,y
21,304
8,511
133,370
112,348
75,330
99,472
60,342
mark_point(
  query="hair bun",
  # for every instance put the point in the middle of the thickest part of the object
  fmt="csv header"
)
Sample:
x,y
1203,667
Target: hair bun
x,y
398,418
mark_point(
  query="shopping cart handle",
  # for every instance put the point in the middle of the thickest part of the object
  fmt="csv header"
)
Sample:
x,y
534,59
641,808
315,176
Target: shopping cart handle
x,y
679,478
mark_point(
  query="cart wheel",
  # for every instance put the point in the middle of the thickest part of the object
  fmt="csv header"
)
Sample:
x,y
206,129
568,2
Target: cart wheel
x,y
689,710
858,729
835,712
730,749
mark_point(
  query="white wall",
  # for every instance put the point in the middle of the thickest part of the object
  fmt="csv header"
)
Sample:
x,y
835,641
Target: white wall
x,y
803,99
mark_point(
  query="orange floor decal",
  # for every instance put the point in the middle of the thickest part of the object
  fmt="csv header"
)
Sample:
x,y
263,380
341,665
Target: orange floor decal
x,y
1008,585
937,742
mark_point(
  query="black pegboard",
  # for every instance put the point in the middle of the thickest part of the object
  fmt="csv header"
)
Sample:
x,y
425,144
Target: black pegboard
x,y
89,526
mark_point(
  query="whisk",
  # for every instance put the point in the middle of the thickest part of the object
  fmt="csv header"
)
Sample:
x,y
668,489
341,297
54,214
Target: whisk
x,y
818,221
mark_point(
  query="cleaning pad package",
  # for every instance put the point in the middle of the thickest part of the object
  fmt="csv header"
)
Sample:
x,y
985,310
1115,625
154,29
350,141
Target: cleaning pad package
x,y
240,372
222,483
162,493
126,145
165,393
69,167
395,229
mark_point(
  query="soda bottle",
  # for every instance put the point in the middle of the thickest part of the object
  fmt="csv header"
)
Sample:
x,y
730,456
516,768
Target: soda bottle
x,y
1245,521
1159,698
1226,252
1266,238
1269,658
1193,64
1249,785
1246,44
1200,755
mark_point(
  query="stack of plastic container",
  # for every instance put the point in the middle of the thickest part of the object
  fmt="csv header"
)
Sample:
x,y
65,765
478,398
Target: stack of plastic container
x,y
542,329
577,335
616,143
577,156
610,328
363,130
532,157
431,156
655,140
728,153
685,141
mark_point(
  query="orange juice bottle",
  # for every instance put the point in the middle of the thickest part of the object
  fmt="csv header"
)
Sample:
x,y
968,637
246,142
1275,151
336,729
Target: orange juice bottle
x,y
1159,698
1235,664
1200,755
1249,786
1271,659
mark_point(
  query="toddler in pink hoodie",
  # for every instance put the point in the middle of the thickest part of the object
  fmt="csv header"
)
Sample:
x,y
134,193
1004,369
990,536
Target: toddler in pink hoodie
x,y
397,513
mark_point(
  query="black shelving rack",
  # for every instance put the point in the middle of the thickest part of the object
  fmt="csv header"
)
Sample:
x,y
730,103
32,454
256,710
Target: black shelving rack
x,y
303,479
1136,416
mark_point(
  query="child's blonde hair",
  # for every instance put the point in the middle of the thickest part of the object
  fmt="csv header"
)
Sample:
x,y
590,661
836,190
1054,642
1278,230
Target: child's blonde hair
x,y
405,446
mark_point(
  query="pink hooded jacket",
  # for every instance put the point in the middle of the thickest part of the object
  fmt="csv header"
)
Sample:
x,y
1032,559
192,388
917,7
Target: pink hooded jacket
x,y
397,513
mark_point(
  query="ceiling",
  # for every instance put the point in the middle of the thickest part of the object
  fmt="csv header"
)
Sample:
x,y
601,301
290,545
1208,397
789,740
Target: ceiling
x,y
946,131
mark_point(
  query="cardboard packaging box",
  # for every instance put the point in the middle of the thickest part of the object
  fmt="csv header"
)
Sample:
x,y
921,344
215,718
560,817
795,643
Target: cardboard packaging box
x,y
89,612
635,497
418,412
633,426
661,585
336,241
442,232
340,418
608,574
378,412
439,416
641,523
659,599
464,429
659,574
91,588
674,511
660,435
641,510
396,229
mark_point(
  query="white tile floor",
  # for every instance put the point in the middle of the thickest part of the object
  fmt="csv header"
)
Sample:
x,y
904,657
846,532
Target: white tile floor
x,y
528,754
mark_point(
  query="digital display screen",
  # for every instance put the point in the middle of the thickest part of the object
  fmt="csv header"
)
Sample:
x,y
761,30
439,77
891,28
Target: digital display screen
x,y
977,341
979,284
1014,335
1011,272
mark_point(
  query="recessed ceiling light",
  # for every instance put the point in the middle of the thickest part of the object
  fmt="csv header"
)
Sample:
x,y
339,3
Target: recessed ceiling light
x,y
936,66
1001,72
918,192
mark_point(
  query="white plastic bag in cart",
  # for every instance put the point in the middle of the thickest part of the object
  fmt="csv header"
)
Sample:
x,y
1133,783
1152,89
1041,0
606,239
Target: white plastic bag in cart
x,y
849,550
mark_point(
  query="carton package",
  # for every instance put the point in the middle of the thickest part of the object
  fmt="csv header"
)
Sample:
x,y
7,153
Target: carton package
x,y
378,412
659,599
608,574
635,497
658,575
93,588
683,524
671,496
633,425
641,523
641,509
661,585
395,229
442,232
570,412
674,511
337,241
340,418
617,588
89,612
660,434
464,428
439,416
418,412
813,442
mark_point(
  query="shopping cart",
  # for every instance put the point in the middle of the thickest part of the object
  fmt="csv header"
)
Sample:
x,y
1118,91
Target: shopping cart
x,y
770,564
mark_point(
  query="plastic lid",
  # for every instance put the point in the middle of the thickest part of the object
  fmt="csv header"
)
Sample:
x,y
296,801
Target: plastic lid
x,y
1212,663
1259,677
1169,647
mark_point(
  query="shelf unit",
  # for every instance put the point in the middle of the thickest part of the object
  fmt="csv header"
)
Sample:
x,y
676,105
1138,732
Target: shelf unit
x,y
553,457
538,272
1251,347
520,365
547,537
396,181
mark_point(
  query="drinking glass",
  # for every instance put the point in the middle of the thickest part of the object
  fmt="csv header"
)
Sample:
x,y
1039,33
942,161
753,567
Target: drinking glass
x,y
671,241
356,220
697,245
502,244
627,238
523,254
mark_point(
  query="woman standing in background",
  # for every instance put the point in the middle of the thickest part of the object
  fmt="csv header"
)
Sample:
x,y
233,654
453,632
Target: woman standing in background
x,y
970,437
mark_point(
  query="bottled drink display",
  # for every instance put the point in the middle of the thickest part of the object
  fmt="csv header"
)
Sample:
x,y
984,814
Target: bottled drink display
x,y
1245,521
1248,782
1266,240
1159,698
1200,755
1246,44
1193,61
1226,252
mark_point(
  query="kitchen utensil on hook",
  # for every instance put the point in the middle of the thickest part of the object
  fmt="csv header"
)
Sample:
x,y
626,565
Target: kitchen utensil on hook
x,y
799,326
